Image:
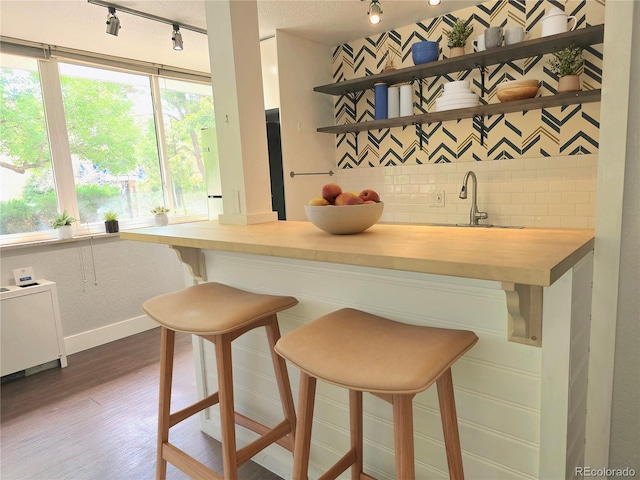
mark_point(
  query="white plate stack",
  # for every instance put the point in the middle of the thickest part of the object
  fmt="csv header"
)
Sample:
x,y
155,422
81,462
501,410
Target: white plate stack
x,y
456,95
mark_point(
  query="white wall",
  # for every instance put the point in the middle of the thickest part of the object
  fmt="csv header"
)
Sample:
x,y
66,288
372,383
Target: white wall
x,y
625,417
101,284
302,65
270,87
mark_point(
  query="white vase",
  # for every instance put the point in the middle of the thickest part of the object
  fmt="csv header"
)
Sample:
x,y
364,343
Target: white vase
x,y
64,232
161,219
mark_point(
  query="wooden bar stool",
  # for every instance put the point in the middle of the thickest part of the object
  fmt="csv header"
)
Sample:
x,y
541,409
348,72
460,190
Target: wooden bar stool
x,y
394,361
220,314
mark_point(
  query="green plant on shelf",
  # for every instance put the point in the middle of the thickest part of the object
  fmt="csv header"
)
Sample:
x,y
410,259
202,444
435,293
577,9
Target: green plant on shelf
x,y
160,209
110,216
62,220
459,33
566,61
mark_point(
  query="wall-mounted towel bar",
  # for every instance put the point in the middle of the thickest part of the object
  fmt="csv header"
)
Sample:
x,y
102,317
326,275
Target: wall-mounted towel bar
x,y
293,174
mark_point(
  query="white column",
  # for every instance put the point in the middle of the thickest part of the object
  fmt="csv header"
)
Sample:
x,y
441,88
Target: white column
x,y
613,153
236,76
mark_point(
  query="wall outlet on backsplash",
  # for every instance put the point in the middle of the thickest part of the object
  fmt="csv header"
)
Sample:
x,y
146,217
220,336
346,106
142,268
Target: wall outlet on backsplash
x,y
436,198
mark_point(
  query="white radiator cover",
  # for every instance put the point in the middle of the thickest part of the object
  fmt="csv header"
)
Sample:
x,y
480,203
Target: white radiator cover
x,y
31,333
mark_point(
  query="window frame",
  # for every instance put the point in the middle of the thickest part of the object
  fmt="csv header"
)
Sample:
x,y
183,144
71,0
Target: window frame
x,y
56,127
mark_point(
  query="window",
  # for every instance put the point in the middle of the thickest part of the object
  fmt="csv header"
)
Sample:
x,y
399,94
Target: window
x,y
112,141
27,194
187,109
132,141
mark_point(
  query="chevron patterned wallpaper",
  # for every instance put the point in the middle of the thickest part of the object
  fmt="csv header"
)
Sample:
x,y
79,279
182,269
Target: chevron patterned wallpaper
x,y
556,131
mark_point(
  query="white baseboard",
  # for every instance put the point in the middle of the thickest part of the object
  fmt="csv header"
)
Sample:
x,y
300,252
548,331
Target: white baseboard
x,y
100,336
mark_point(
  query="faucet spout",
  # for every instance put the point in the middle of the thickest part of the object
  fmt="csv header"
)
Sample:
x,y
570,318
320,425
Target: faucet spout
x,y
474,214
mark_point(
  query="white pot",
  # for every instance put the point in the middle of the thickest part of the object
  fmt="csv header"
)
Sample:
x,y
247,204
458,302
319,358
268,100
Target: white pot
x,y
64,232
556,21
161,219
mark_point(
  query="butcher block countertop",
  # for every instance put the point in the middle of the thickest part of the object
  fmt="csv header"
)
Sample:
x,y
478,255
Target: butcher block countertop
x,y
529,256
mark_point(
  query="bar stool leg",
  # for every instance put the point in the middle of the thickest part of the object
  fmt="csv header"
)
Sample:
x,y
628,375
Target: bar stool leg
x,y
450,425
403,435
302,446
227,412
282,378
167,345
355,420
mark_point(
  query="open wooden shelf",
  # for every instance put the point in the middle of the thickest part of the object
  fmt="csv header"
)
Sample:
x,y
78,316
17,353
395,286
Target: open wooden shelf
x,y
582,37
561,99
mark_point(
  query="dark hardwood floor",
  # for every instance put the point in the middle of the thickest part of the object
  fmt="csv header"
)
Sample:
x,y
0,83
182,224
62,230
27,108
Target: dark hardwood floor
x,y
96,419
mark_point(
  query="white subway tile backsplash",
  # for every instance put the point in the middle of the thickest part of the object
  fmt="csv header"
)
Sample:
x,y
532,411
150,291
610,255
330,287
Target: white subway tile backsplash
x,y
548,221
562,185
575,197
549,197
575,222
512,187
547,192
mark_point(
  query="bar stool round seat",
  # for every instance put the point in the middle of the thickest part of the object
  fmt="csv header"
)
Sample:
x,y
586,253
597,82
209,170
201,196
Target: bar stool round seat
x,y
394,361
218,313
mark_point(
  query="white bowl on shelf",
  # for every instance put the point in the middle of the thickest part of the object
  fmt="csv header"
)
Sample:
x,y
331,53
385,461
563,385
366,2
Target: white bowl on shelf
x,y
458,96
457,86
441,106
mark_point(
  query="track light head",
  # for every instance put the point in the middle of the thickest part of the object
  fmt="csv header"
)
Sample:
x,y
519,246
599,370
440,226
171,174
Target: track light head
x,y
176,36
375,12
113,22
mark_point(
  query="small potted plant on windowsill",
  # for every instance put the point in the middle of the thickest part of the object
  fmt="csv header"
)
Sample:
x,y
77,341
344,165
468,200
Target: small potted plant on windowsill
x,y
567,64
161,217
457,37
111,222
62,223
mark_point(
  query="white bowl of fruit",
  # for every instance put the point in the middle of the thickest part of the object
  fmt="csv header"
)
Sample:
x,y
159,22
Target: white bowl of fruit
x,y
344,213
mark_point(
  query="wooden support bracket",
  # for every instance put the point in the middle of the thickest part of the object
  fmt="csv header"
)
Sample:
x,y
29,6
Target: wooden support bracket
x,y
524,305
194,259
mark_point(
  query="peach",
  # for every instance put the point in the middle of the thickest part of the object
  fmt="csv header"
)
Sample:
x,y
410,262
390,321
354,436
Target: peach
x,y
342,198
330,191
318,201
369,194
353,201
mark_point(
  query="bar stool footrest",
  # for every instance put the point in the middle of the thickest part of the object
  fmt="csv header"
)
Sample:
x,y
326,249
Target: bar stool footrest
x,y
277,434
188,464
177,417
341,465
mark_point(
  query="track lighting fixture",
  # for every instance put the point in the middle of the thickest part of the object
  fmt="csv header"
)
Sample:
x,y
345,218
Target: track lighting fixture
x,y
113,22
434,2
176,36
375,12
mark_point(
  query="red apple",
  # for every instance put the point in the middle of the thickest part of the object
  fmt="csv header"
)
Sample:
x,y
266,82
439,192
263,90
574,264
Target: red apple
x,y
353,201
369,194
343,197
369,202
330,191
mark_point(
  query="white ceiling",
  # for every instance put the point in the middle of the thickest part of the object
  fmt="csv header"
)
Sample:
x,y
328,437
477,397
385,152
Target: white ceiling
x,y
80,25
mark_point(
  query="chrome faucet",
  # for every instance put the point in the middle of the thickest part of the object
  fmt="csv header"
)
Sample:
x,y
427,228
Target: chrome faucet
x,y
474,215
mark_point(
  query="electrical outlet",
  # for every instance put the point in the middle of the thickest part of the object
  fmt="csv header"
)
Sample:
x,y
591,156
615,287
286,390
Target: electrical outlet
x,y
436,198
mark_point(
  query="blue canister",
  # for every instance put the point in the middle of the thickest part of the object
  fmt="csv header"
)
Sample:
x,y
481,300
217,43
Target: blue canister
x,y
380,101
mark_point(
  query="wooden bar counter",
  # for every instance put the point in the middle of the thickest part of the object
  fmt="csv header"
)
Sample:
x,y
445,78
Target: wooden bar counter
x,y
526,256
520,392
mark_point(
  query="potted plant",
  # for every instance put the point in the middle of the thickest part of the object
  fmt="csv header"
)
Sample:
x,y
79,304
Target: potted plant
x,y
161,217
62,223
457,37
111,222
566,64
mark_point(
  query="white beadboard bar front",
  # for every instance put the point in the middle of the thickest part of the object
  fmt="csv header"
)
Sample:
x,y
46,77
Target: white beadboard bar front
x,y
521,409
